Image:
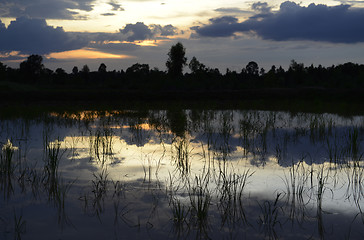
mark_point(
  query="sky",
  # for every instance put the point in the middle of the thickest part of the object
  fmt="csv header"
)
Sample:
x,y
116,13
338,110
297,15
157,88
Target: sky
x,y
220,34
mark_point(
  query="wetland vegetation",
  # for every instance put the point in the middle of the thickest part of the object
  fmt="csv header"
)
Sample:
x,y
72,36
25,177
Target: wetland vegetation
x,y
181,174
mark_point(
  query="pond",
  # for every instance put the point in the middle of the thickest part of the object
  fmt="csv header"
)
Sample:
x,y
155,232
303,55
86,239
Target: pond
x,y
182,174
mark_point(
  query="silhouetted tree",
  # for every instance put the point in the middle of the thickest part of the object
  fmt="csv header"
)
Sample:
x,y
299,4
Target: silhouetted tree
x,y
85,69
296,74
75,70
32,67
60,76
2,67
2,71
139,69
296,67
85,73
60,71
195,66
176,60
252,69
262,71
102,68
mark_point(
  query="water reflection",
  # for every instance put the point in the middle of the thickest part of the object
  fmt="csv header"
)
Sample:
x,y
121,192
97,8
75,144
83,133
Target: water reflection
x,y
182,174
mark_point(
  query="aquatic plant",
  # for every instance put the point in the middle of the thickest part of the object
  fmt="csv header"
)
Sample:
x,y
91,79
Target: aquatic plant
x,y
180,212
99,190
200,199
181,146
7,165
297,190
19,226
101,145
7,168
230,194
269,217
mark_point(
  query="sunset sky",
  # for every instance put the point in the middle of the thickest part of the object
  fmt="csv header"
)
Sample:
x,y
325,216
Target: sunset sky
x,y
222,34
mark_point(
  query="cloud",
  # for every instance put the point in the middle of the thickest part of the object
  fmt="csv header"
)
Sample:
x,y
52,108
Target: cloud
x,y
108,14
2,26
116,6
167,30
26,36
234,10
336,24
139,31
219,27
49,9
34,36
261,7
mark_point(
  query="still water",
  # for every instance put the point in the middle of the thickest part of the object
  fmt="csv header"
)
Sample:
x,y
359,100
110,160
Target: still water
x,y
182,174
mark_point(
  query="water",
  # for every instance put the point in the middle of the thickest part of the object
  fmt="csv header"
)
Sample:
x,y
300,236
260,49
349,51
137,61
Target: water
x,y
184,174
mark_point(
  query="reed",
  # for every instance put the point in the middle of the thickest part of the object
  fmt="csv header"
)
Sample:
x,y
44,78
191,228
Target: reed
x,y
230,194
7,166
180,212
269,217
200,199
19,226
181,147
353,148
297,190
101,145
52,159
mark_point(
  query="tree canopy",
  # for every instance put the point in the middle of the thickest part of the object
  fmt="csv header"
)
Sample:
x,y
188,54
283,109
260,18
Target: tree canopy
x,y
176,60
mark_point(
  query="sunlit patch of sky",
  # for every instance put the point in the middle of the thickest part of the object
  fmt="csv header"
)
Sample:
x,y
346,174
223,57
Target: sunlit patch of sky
x,y
85,54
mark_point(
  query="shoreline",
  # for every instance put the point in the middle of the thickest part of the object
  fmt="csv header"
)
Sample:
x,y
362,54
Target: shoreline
x,y
317,100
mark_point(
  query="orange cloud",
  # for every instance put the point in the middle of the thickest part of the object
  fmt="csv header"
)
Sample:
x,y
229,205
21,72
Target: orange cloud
x,y
86,53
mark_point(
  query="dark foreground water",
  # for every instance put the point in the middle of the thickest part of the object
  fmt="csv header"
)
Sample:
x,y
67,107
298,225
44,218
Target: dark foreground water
x,y
182,174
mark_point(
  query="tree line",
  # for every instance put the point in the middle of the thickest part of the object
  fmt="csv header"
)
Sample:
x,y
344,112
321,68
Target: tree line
x,y
140,76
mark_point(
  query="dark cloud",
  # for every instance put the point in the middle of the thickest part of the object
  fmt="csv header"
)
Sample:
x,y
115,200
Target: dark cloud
x,y
139,31
2,26
130,33
231,10
261,7
108,14
219,27
338,24
34,36
167,30
116,6
49,9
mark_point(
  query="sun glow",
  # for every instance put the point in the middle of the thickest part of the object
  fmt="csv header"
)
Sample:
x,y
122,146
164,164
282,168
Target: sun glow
x,y
150,43
86,53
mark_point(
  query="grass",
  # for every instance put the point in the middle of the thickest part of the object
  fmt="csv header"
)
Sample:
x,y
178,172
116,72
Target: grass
x,y
180,212
7,165
99,191
52,159
181,146
200,199
7,168
19,226
101,145
269,217
230,194
147,168
297,193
